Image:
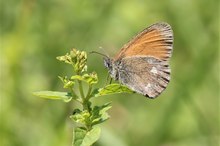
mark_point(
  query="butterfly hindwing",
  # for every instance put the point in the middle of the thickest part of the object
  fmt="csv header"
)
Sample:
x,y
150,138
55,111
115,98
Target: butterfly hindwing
x,y
145,75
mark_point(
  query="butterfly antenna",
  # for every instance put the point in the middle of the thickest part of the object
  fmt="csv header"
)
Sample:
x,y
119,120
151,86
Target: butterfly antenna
x,y
92,52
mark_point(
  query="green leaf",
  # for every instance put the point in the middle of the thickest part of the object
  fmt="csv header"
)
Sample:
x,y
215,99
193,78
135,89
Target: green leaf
x,y
79,134
84,138
112,89
99,113
77,77
65,96
92,136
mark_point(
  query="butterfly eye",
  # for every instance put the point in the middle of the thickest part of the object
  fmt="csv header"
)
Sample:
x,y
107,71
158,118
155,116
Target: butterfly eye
x,y
107,62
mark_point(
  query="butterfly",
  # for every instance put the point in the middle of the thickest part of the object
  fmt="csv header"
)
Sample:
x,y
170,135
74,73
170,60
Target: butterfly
x,y
143,63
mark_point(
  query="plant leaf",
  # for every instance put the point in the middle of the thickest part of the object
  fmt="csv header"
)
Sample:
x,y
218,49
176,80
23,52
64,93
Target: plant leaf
x,y
79,134
84,138
112,89
77,77
99,113
65,96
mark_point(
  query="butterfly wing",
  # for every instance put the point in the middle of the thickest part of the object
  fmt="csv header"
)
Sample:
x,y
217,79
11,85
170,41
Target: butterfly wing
x,y
145,75
155,41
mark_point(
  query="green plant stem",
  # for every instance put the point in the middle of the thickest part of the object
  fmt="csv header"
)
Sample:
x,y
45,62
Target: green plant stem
x,y
85,100
75,96
85,105
81,89
89,92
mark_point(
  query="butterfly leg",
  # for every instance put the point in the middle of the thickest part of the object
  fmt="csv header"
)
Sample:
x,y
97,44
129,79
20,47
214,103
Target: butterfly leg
x,y
108,80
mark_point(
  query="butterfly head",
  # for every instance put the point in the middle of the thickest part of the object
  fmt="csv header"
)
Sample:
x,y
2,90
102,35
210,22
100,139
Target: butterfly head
x,y
109,64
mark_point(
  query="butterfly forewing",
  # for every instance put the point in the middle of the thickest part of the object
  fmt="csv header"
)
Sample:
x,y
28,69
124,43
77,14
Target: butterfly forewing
x,y
155,41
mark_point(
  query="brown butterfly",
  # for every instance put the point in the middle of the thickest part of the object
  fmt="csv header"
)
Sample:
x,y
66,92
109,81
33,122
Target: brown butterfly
x,y
142,63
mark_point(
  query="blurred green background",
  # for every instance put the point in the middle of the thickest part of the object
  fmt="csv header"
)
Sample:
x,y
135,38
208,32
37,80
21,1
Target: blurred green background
x,y
34,32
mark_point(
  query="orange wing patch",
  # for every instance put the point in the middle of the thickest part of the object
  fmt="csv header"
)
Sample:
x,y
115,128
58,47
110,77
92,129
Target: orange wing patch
x,y
155,41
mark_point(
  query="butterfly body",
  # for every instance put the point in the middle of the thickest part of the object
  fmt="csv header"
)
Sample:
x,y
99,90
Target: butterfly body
x,y
142,63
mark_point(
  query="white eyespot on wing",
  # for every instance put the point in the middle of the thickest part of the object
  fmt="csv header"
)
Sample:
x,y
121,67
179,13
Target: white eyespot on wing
x,y
154,70
148,87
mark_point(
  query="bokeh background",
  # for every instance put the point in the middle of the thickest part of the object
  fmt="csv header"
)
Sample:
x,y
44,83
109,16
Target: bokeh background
x,y
34,32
